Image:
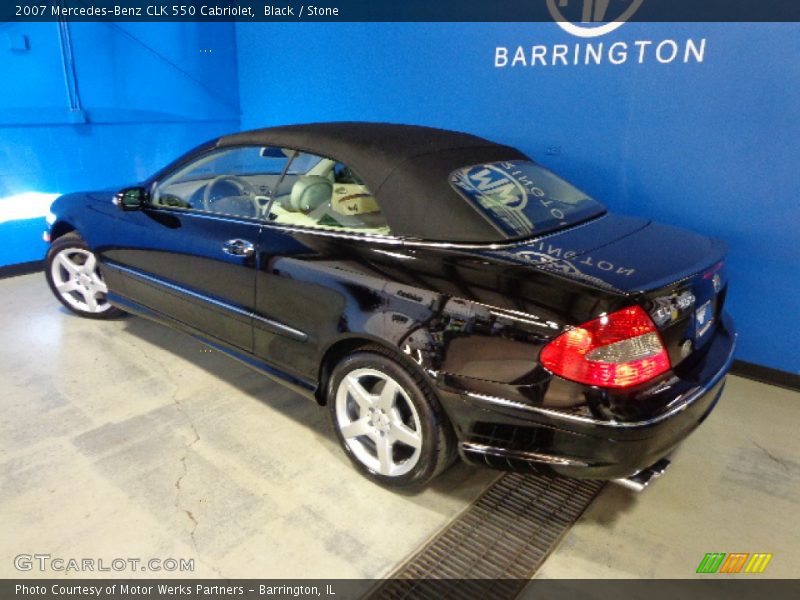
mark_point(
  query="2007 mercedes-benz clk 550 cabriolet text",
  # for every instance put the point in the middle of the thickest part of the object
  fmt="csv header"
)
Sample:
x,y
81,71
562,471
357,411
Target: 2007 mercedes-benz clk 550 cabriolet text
x,y
440,293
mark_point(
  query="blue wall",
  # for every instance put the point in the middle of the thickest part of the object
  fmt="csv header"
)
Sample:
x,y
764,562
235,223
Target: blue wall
x,y
711,145
146,94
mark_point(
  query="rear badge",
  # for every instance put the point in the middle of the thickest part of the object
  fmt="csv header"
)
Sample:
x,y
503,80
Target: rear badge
x,y
669,308
704,317
686,348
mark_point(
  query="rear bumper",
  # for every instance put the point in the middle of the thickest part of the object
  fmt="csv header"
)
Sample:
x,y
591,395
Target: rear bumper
x,y
511,435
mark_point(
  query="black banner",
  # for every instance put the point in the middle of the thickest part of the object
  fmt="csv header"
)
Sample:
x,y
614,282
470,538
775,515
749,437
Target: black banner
x,y
711,587
580,12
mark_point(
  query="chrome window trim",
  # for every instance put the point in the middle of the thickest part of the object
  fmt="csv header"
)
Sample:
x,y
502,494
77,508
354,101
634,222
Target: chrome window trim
x,y
269,323
389,240
205,214
212,216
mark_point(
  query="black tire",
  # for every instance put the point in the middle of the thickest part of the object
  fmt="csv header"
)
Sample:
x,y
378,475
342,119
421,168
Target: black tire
x,y
437,447
72,246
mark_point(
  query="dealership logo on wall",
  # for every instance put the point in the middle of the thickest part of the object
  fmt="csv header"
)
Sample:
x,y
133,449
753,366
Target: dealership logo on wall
x,y
594,15
589,19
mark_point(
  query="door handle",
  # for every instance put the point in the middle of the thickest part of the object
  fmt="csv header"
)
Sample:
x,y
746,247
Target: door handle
x,y
238,248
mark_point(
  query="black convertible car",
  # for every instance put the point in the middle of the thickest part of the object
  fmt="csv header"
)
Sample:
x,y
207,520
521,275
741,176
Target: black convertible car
x,y
441,293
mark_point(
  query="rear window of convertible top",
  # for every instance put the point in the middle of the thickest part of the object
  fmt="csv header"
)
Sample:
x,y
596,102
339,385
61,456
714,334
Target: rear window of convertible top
x,y
521,199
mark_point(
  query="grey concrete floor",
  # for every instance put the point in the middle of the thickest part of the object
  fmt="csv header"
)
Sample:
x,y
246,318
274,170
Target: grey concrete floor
x,y
126,439
733,486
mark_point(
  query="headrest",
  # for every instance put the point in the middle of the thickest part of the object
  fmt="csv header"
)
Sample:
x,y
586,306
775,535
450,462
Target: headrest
x,y
309,192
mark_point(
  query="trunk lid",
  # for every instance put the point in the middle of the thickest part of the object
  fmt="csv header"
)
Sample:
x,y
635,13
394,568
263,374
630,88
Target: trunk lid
x,y
626,254
678,276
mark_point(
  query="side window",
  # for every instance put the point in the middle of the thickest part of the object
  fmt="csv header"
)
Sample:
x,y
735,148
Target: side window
x,y
233,181
320,193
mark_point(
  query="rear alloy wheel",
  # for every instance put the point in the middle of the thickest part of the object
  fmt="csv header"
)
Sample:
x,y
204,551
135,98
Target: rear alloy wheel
x,y
72,272
388,421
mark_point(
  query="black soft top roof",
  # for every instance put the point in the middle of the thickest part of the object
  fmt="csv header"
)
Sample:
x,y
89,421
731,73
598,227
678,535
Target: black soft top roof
x,y
407,168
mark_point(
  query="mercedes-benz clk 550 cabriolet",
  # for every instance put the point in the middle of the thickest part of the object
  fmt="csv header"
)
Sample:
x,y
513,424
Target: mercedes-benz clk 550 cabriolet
x,y
443,295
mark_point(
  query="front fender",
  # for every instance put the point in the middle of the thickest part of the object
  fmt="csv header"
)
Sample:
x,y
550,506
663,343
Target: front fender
x,y
91,214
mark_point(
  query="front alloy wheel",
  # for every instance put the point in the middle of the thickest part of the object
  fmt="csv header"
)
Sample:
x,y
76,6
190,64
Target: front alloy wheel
x,y
387,419
74,278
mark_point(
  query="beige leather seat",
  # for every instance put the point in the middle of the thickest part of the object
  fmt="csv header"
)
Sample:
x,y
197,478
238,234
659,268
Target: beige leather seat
x,y
309,192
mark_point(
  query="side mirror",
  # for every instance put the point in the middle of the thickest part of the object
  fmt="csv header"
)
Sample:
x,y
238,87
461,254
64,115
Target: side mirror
x,y
133,198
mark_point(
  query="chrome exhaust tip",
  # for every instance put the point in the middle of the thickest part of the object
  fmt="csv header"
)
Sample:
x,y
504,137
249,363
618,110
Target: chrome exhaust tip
x,y
638,481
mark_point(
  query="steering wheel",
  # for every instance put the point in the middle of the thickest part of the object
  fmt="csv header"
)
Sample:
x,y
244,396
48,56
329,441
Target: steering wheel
x,y
245,189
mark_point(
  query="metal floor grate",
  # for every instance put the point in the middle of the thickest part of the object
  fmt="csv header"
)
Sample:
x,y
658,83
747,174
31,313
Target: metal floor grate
x,y
503,538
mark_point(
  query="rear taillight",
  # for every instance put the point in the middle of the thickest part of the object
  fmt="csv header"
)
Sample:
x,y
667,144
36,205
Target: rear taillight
x,y
616,351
